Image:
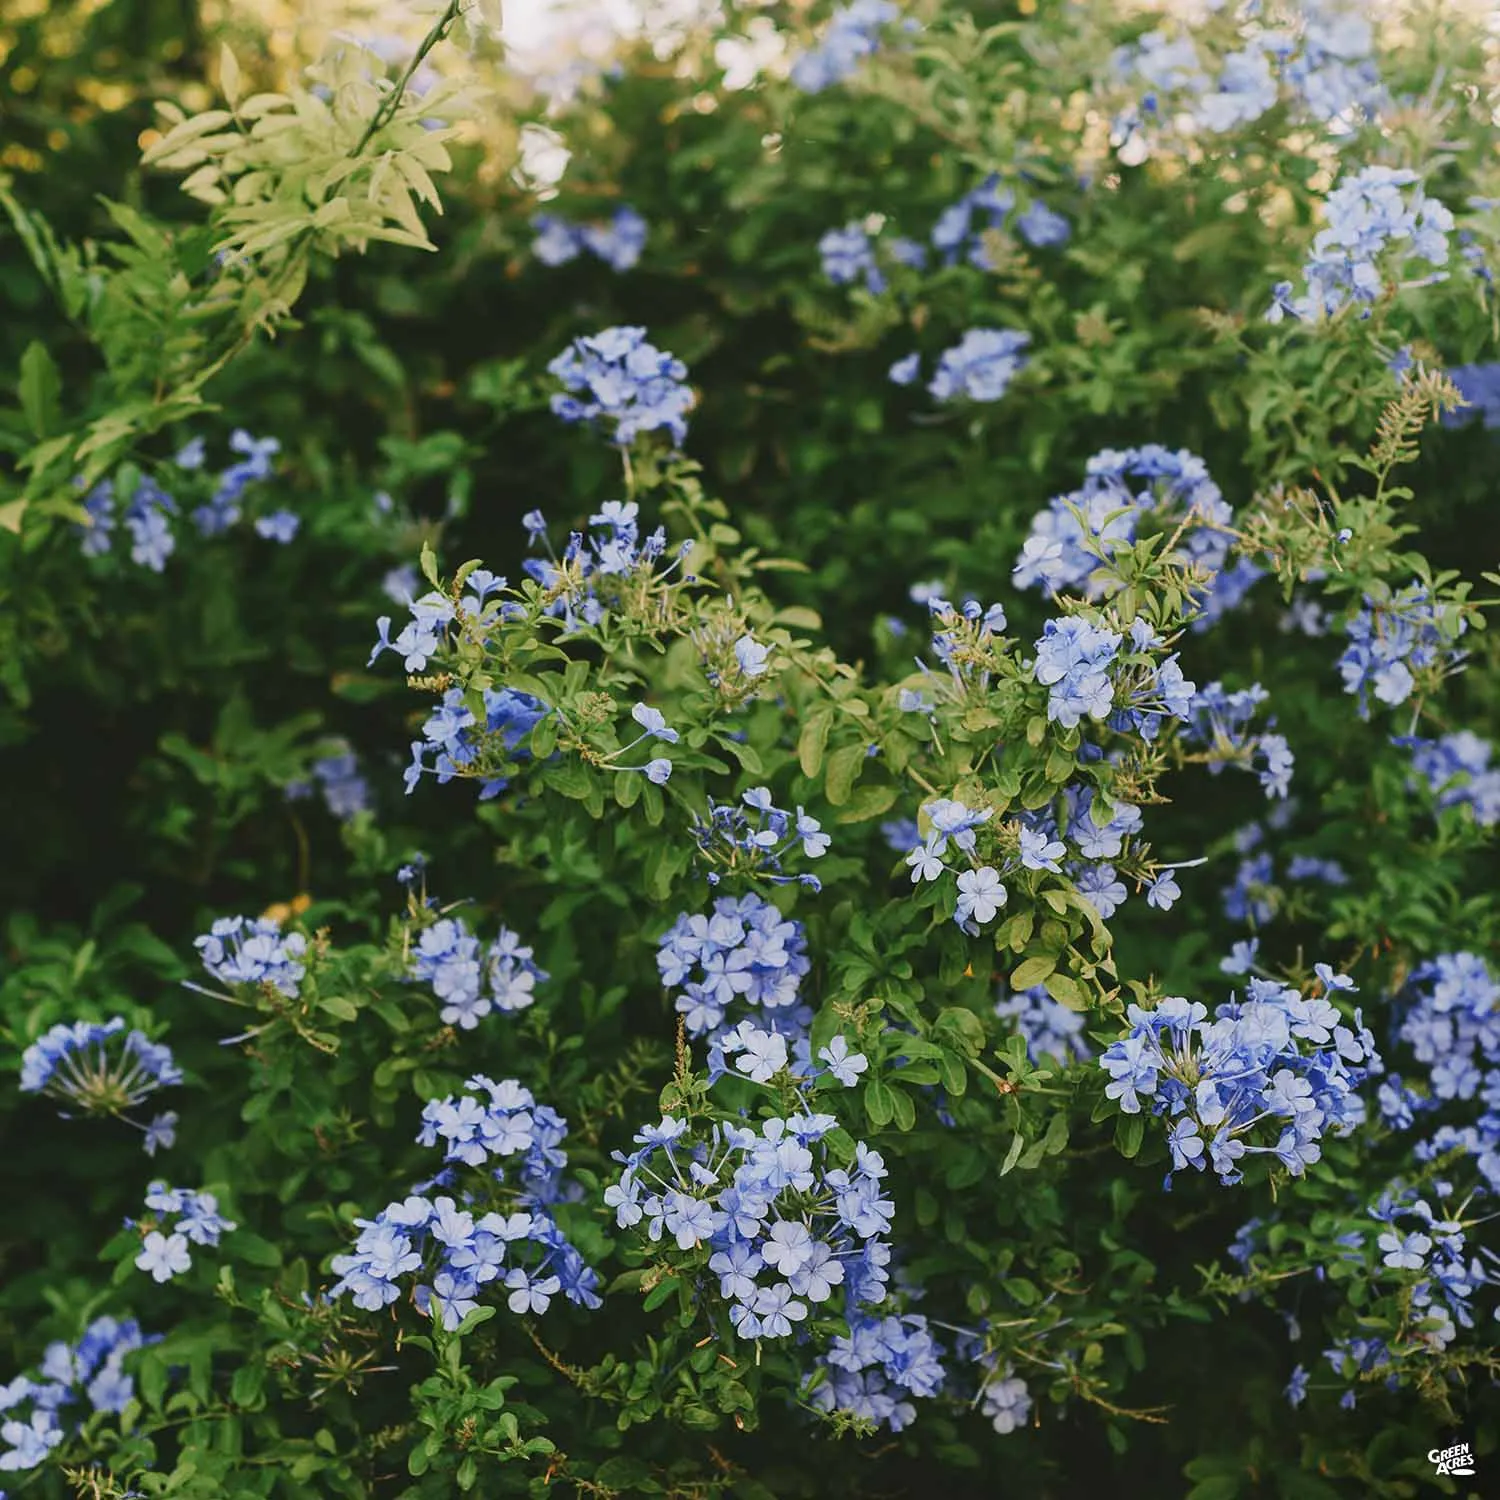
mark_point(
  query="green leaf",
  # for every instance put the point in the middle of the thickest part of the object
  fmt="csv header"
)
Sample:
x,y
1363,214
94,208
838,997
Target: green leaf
x,y
844,766
880,1103
1130,1131
866,803
1031,971
813,741
1067,991
251,1247
1017,1145
40,389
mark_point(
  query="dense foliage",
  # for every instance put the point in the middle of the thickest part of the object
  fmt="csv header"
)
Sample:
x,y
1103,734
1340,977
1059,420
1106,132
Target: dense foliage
x,y
808,812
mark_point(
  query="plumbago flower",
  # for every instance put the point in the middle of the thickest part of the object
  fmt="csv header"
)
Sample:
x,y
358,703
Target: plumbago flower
x,y
1378,221
470,980
1128,495
164,1250
74,1382
618,242
853,34
1407,1258
1314,56
243,950
777,1226
1269,1075
743,958
1219,722
617,377
753,836
497,1237
101,1068
1457,769
1399,645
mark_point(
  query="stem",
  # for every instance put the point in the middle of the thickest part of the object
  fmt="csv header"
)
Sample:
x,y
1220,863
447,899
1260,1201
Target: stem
x,y
392,101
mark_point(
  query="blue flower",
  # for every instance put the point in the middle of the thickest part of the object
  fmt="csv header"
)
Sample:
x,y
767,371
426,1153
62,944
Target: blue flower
x,y
848,256
907,370
1072,657
1041,852
279,526
616,377
751,655
1043,227
845,1065
852,34
980,896
981,366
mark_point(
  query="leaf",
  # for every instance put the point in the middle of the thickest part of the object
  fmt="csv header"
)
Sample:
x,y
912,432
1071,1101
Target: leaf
x,y
844,766
880,1103
11,513
1067,991
1129,1133
40,389
1031,971
813,741
229,75
1017,1145
251,1247
867,802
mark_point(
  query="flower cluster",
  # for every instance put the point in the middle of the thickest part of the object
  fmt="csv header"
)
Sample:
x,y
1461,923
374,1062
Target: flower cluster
x,y
745,950
345,791
1049,1027
1457,768
1072,661
453,737
981,893
244,950
875,1368
103,1069
1274,1061
980,367
147,515
91,1370
780,1226
1219,721
852,35
1153,691
1073,540
1452,1025
1316,55
959,231
1377,217
164,1253
618,243
848,257
1391,640
1479,385
617,377
470,981
614,566
753,836
1433,1245
452,1248
421,637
